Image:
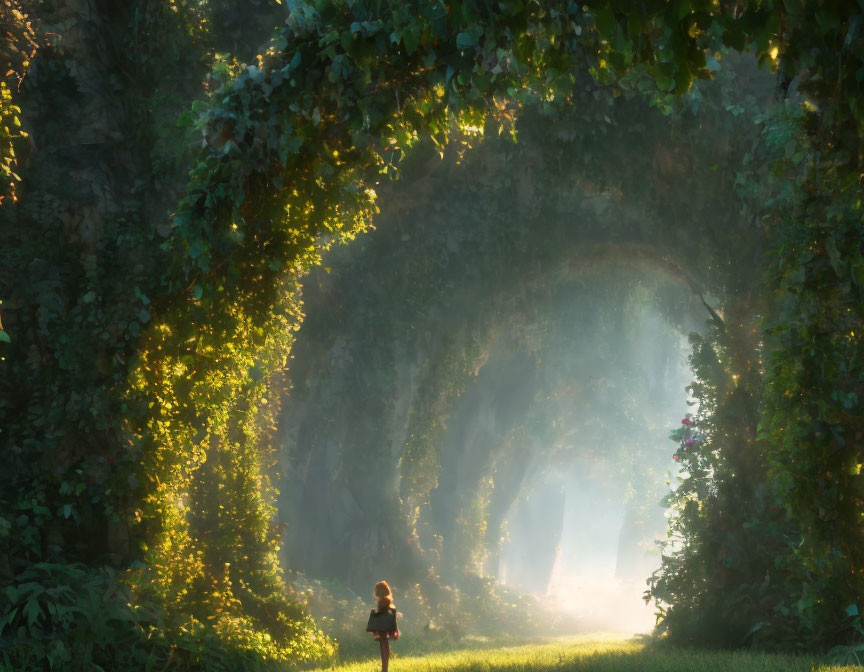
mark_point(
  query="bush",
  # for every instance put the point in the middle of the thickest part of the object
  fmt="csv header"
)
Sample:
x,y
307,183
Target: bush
x,y
70,618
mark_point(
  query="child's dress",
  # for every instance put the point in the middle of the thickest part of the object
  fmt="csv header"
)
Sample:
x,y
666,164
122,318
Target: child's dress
x,y
385,634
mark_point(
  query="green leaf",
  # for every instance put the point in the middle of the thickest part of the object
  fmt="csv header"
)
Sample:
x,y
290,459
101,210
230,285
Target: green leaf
x,y
680,9
411,38
852,610
7,619
834,255
465,41
734,37
683,79
4,337
663,75
32,612
347,41
606,22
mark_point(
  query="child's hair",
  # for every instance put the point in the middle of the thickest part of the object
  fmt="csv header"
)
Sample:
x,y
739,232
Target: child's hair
x,y
384,596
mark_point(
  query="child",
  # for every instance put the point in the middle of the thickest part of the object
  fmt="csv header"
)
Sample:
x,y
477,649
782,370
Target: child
x,y
385,604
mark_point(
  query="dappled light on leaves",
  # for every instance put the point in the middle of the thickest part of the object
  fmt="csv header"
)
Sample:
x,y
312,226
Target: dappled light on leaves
x,y
169,185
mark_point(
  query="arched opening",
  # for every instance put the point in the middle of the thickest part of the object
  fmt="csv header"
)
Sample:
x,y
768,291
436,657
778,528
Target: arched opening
x,y
514,323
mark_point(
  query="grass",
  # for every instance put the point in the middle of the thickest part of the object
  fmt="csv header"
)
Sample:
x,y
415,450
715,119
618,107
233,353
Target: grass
x,y
594,653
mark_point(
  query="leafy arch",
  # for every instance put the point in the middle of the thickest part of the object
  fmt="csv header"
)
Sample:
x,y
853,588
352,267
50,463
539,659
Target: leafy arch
x,y
483,253
301,137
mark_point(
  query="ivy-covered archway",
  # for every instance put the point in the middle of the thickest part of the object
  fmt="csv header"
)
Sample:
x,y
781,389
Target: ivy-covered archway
x,y
167,446
509,239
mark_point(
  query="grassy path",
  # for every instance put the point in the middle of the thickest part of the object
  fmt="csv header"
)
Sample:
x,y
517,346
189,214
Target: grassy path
x,y
593,655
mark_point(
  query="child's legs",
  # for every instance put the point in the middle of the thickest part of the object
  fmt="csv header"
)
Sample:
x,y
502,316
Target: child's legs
x,y
385,652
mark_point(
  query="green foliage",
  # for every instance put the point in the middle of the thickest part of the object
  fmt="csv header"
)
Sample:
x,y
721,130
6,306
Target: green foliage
x,y
65,617
813,417
82,274
136,404
500,262
719,583
17,47
794,547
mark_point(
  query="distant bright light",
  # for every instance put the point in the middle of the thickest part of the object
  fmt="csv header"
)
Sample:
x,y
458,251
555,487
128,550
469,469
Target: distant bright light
x,y
602,603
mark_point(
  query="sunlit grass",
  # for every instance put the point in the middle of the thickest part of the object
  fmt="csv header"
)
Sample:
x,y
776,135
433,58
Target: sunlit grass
x,y
595,653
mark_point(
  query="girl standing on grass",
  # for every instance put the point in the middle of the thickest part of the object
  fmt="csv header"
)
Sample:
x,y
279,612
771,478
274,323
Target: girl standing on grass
x,y
383,617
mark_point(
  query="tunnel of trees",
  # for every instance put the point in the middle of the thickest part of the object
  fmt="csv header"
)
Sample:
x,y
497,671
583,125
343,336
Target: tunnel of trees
x,y
571,195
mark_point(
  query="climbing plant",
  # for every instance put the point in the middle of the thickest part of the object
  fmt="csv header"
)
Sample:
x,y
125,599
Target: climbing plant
x,y
16,49
457,264
136,398
82,269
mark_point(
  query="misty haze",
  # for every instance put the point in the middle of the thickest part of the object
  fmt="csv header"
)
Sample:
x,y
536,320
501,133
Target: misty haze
x,y
431,336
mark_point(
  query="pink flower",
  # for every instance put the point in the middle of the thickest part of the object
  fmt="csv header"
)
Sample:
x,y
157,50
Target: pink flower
x,y
676,457
689,442
687,421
